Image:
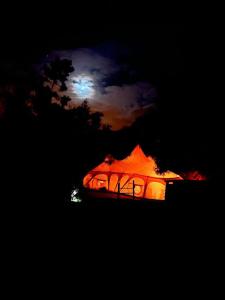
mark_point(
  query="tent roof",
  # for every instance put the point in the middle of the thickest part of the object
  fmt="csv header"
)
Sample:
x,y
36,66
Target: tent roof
x,y
136,163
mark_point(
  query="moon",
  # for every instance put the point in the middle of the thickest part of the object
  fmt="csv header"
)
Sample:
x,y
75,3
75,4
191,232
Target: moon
x,y
83,87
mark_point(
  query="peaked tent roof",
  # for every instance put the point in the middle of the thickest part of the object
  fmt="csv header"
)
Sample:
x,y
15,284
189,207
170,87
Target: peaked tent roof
x,y
136,163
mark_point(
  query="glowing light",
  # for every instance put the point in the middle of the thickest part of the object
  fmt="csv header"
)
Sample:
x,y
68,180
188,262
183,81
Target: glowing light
x,y
83,87
74,197
137,190
148,183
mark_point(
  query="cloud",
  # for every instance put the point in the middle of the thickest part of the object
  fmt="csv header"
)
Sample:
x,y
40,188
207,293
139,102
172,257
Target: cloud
x,y
139,94
114,96
87,61
121,105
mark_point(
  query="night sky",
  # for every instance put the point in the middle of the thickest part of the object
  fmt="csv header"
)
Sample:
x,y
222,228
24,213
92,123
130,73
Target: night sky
x,y
108,82
119,68
129,66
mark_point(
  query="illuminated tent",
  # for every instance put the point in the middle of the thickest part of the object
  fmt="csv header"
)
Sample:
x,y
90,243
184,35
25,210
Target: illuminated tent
x,y
137,174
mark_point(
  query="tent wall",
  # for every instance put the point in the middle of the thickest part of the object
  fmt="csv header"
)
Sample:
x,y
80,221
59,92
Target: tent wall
x,y
144,187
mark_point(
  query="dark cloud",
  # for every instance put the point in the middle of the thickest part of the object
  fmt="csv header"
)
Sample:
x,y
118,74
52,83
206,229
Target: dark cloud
x,y
117,91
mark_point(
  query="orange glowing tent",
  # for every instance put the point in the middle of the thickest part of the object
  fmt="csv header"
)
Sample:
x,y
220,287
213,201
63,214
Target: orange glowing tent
x,y
137,175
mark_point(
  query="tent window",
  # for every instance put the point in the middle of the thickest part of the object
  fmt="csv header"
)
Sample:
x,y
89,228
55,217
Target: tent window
x,y
100,181
113,186
138,189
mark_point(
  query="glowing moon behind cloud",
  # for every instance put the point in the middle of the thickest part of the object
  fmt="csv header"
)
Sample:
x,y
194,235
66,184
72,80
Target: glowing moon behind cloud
x,y
83,87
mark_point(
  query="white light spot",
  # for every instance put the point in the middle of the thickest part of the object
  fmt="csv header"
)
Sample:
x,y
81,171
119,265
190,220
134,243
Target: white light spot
x,y
74,197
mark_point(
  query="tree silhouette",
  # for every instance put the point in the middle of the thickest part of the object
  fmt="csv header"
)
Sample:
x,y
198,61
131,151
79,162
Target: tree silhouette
x,y
55,146
58,71
96,120
65,100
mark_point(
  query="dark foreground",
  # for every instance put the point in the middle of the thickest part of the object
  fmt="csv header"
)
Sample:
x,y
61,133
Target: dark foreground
x,y
183,194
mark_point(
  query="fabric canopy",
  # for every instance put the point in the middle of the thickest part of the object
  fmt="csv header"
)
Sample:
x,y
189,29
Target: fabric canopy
x,y
136,163
137,169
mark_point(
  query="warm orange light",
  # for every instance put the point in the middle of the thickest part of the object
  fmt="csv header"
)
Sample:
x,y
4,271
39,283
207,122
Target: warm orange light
x,y
137,190
136,173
